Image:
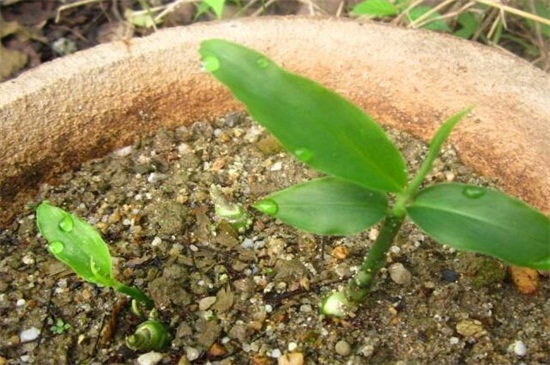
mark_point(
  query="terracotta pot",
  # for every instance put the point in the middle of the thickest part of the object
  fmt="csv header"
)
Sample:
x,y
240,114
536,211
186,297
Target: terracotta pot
x,y
85,105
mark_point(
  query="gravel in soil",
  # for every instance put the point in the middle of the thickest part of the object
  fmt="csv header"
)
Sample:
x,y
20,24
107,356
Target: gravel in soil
x,y
252,297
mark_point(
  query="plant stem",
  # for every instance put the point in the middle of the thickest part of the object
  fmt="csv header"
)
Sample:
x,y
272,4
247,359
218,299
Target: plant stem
x,y
359,285
134,293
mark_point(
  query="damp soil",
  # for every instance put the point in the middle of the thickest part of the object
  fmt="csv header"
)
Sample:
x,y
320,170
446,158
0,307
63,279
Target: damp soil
x,y
251,297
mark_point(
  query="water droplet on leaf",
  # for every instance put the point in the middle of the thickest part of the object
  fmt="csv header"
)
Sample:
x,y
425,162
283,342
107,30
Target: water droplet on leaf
x,y
262,62
267,206
473,192
303,154
211,63
66,224
56,247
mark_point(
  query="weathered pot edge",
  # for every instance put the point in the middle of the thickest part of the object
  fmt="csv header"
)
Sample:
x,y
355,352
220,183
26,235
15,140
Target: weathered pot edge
x,y
97,100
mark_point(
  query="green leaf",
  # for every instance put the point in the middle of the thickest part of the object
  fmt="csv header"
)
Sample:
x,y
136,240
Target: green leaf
x,y
76,243
469,25
321,128
543,11
474,218
435,147
216,6
375,8
437,25
327,205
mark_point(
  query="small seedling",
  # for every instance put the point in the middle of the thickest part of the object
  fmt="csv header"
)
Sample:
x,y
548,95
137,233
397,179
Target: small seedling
x,y
60,327
233,213
334,136
151,335
76,243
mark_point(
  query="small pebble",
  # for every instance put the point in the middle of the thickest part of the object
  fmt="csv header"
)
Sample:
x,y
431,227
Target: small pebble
x,y
454,340
277,166
519,348
399,274
206,303
470,328
29,334
150,358
192,353
292,358
449,275
124,151
366,350
525,280
342,348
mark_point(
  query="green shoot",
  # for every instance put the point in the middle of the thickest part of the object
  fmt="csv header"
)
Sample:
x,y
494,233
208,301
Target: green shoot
x,y
76,243
332,135
232,213
60,327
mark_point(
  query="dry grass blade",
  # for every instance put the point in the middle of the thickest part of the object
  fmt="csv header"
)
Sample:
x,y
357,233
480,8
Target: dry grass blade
x,y
425,18
511,10
73,5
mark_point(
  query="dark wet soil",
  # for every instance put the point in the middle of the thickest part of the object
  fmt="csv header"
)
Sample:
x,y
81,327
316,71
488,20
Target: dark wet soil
x,y
252,297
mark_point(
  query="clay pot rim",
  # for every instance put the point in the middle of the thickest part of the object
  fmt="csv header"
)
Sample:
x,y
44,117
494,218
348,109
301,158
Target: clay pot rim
x,y
99,99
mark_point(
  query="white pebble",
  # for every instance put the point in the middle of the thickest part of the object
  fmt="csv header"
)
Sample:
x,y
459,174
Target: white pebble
x,y
28,259
306,308
20,302
276,353
156,241
29,334
454,340
292,346
277,166
192,353
373,234
150,358
366,350
518,348
124,151
399,274
156,177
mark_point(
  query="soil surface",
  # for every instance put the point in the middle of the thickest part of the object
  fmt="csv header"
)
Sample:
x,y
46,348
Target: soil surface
x,y
252,297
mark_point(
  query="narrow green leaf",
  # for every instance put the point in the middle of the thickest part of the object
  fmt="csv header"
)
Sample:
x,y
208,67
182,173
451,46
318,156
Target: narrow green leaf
x,y
474,218
327,205
436,25
216,6
435,147
543,11
469,25
321,128
76,243
375,8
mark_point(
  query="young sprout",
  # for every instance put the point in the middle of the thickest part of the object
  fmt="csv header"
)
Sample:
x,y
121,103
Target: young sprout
x,y
76,243
233,213
60,327
149,335
330,134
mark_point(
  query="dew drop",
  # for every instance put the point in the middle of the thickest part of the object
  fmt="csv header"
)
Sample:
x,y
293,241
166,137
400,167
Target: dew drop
x,y
66,224
262,62
303,154
56,247
267,206
211,63
473,192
